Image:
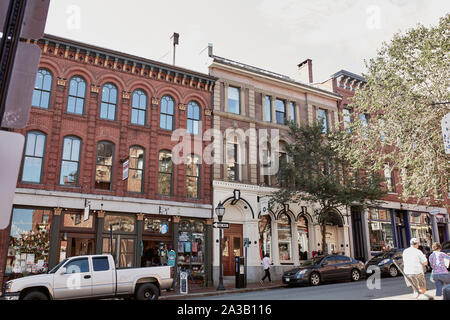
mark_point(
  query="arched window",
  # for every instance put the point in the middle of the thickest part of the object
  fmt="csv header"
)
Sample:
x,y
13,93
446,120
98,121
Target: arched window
x,y
136,169
166,119
33,157
70,161
42,89
139,107
165,173
265,236
302,229
77,95
193,177
104,165
109,102
193,118
284,237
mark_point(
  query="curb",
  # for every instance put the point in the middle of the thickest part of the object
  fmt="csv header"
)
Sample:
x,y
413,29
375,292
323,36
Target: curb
x,y
217,293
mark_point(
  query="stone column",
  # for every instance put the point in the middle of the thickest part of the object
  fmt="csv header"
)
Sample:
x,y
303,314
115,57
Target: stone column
x,y
365,229
295,253
140,227
100,223
54,238
208,253
225,97
434,228
272,109
242,101
287,109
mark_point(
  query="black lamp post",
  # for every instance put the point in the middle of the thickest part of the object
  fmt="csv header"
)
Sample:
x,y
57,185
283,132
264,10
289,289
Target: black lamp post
x,y
220,211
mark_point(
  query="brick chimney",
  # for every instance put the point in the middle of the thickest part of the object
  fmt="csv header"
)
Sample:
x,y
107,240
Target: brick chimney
x,y
305,71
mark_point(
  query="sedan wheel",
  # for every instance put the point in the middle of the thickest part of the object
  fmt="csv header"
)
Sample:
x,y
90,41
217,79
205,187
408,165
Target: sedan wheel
x,y
314,279
356,275
393,272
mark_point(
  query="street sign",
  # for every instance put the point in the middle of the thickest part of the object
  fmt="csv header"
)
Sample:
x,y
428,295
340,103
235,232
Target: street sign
x,y
264,206
445,123
11,144
221,225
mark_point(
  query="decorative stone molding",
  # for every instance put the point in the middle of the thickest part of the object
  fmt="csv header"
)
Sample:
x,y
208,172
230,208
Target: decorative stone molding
x,y
101,214
209,222
176,219
126,95
140,216
182,106
155,102
57,211
95,88
62,82
208,112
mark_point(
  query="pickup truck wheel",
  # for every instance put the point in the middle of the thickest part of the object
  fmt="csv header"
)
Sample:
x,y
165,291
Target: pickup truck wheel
x,y
147,291
35,295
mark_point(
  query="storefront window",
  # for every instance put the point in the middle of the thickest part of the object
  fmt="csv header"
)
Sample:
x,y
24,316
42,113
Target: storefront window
x,y
191,248
76,220
265,236
156,225
29,242
120,223
420,224
124,254
380,230
302,229
284,237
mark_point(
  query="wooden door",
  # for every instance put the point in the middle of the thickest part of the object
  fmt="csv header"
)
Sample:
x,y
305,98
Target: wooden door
x,y
232,247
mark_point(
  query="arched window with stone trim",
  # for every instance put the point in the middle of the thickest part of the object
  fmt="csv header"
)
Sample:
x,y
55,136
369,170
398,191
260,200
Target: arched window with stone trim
x,y
139,107
42,89
167,113
284,237
193,118
77,95
265,236
303,238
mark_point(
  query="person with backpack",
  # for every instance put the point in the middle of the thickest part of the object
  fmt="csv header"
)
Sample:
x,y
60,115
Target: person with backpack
x,y
439,262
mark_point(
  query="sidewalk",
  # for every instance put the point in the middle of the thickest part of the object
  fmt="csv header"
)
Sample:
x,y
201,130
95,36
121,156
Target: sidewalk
x,y
211,291
408,296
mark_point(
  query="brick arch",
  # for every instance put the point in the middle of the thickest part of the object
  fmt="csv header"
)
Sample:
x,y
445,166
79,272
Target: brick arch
x,y
143,85
112,78
78,71
201,101
160,92
38,127
53,67
75,133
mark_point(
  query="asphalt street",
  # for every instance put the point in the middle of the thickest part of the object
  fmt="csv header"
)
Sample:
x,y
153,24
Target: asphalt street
x,y
332,291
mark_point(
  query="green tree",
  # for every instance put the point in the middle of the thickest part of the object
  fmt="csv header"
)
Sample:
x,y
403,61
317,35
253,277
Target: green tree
x,y
406,96
314,172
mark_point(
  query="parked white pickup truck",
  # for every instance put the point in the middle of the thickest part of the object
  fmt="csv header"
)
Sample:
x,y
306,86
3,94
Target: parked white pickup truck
x,y
93,276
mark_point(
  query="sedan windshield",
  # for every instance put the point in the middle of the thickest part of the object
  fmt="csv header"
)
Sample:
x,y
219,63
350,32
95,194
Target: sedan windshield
x,y
57,266
384,255
312,262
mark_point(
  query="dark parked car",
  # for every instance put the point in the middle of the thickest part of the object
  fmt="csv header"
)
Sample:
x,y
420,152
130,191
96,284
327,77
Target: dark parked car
x,y
446,247
384,261
325,268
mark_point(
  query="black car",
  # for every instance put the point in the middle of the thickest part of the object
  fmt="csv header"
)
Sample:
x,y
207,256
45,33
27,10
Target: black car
x,y
385,261
325,268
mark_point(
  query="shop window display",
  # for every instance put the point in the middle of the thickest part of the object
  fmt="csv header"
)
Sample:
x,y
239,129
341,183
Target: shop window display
x,y
29,242
191,248
420,224
284,238
380,229
302,229
265,236
120,223
124,254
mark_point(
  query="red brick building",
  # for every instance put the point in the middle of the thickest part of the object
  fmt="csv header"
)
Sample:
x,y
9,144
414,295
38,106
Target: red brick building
x,y
395,222
96,111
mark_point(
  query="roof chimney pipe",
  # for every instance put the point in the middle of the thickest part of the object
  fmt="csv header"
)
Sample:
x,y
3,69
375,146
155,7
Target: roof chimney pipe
x,y
305,71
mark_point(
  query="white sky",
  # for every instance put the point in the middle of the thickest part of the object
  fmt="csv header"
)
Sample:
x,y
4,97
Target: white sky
x,y
272,34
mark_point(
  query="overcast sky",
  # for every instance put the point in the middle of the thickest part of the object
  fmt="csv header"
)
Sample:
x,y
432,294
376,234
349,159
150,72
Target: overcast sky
x,y
272,34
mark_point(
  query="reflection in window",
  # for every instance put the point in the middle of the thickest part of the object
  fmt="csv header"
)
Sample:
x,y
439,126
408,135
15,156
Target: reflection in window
x,y
103,168
165,173
124,253
284,237
136,169
139,107
380,229
77,266
323,119
280,111
265,236
302,229
292,112
193,118
33,157
42,89
347,117
70,161
119,223
29,242
167,113
109,101
231,166
77,94
75,220
234,104
193,176
268,109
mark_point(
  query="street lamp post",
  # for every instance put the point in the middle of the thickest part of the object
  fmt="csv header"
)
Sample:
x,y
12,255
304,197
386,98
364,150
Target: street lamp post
x,y
220,211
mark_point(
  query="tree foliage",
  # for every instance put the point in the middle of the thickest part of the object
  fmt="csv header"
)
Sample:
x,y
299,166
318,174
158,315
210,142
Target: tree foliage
x,y
406,96
316,173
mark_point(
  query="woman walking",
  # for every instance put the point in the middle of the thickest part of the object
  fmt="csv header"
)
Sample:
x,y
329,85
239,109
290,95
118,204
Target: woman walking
x,y
439,262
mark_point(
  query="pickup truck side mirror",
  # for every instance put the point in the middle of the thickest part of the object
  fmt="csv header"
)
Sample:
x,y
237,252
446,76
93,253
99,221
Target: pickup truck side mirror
x,y
63,271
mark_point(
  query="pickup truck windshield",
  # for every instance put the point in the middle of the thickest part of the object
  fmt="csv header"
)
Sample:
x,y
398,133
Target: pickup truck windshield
x,y
57,266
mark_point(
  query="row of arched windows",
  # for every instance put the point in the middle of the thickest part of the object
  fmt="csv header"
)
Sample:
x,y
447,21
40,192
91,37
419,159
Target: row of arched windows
x,y
70,166
109,99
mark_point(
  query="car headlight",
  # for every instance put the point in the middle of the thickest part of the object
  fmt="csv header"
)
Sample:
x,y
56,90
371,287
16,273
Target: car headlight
x,y
301,273
8,286
384,262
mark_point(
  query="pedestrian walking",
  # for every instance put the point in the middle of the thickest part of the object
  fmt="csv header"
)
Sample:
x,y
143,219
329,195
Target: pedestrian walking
x,y
266,262
413,266
439,262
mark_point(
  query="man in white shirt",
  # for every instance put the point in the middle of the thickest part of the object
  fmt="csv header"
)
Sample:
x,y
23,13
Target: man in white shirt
x,y
266,266
413,266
